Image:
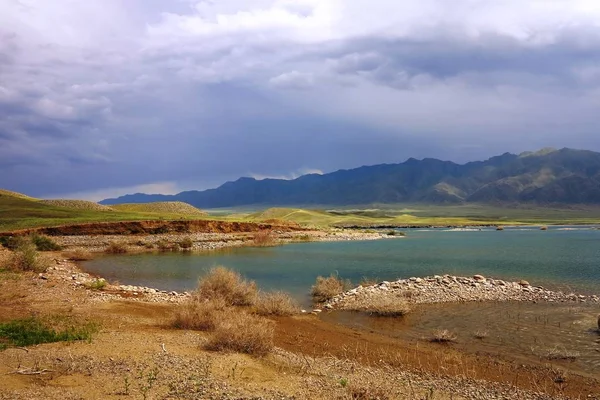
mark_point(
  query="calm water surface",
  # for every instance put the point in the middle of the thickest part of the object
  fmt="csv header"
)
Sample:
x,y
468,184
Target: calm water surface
x,y
560,258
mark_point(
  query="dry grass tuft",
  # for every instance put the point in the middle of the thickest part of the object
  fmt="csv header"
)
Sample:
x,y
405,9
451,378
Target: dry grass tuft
x,y
243,333
386,306
443,336
480,334
276,303
228,285
327,288
558,353
78,255
27,258
264,238
199,314
116,248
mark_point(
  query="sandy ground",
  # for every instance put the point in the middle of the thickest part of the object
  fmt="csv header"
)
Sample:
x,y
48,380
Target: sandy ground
x,y
136,354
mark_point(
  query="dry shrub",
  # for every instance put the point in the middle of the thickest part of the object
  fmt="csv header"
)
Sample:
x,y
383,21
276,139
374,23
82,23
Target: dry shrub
x,y
186,243
26,258
78,255
263,238
116,248
276,303
386,306
443,336
200,314
327,288
243,333
228,285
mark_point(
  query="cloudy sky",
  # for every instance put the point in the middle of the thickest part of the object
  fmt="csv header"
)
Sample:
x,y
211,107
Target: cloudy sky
x,y
105,97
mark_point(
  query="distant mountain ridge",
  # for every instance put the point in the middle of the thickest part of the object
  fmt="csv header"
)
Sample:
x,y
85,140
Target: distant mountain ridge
x,y
547,176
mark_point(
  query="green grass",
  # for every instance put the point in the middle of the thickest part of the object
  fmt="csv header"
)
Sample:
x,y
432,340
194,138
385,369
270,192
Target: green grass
x,y
161,207
31,331
21,213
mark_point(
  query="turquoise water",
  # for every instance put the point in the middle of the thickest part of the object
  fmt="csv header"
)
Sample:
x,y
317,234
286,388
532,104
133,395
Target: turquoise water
x,y
560,258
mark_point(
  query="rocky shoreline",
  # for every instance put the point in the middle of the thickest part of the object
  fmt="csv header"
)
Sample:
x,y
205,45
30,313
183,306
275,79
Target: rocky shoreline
x,y
210,241
450,289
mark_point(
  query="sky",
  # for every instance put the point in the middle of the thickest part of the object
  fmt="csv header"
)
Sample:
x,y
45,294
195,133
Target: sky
x,y
101,98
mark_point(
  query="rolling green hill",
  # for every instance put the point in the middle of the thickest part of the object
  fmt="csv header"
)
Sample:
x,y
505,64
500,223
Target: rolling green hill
x,y
161,207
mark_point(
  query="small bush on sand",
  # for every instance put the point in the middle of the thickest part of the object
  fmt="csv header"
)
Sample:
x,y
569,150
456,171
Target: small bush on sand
x,y
26,258
78,255
44,243
116,248
228,285
327,288
186,243
443,336
263,238
385,306
13,242
276,303
163,245
243,333
200,314
97,284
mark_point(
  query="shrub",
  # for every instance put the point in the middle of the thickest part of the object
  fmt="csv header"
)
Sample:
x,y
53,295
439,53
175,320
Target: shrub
x,y
97,284
163,245
78,255
186,243
116,248
327,288
243,333
263,238
276,303
44,243
385,306
199,314
443,336
26,332
13,242
228,285
26,258
396,233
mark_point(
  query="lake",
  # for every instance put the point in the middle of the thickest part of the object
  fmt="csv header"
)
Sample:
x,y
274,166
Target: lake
x,y
563,258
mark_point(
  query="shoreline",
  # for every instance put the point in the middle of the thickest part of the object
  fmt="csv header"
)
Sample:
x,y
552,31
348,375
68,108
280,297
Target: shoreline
x,y
450,289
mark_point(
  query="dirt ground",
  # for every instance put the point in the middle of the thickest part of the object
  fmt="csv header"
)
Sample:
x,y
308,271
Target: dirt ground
x,y
136,354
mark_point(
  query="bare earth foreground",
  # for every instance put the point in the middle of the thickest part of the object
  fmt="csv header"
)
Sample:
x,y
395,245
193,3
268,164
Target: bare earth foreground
x,y
137,354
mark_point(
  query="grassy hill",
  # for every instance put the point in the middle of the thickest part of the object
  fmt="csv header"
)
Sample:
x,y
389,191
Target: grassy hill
x,y
161,207
77,205
21,212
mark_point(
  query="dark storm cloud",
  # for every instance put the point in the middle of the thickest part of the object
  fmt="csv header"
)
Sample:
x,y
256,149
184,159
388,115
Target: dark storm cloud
x,y
162,95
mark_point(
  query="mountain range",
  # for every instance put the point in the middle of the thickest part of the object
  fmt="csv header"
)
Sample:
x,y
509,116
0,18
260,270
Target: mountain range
x,y
547,176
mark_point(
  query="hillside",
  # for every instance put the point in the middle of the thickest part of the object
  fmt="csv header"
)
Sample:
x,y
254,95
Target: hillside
x,y
545,177
174,207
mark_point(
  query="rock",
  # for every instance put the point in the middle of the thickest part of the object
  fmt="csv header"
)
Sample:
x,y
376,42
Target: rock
x,y
316,310
479,278
523,282
42,276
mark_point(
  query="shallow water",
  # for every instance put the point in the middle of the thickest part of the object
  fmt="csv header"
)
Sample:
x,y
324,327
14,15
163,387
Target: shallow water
x,y
539,332
567,260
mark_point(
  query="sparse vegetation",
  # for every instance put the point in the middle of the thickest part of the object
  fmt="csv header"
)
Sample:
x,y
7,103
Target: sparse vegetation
x,y
78,255
263,238
443,336
396,233
276,303
116,248
44,243
560,353
27,258
385,306
228,285
327,288
480,334
200,314
27,332
243,333
186,243
97,284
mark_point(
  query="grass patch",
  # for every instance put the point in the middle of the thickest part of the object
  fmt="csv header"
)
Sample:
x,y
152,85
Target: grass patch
x,y
276,304
44,243
443,336
97,284
222,283
27,258
327,288
243,333
31,331
563,354
116,248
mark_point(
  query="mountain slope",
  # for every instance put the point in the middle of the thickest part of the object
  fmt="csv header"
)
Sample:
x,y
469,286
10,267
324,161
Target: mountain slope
x,y
547,176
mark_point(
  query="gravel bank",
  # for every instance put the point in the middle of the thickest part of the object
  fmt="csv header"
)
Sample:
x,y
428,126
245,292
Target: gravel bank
x,y
447,288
